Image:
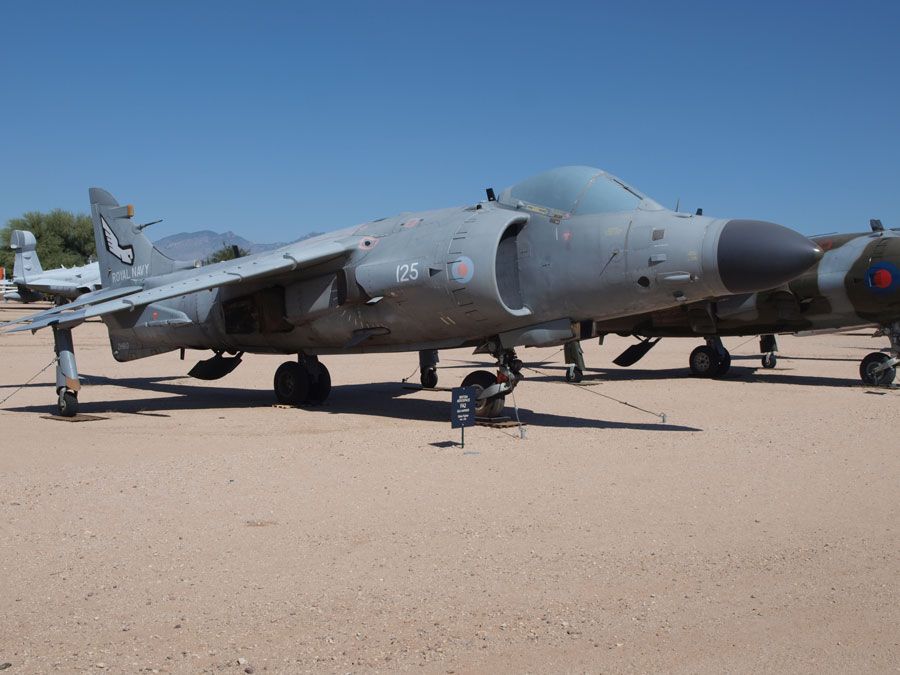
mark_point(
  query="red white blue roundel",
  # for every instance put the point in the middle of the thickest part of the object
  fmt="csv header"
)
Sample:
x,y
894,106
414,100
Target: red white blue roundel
x,y
462,270
883,277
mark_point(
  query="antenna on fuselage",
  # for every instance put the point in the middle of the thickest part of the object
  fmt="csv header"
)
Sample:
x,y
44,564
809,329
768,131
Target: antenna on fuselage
x,y
677,204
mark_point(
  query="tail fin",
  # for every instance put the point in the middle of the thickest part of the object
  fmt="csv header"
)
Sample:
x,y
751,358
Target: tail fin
x,y
126,255
27,264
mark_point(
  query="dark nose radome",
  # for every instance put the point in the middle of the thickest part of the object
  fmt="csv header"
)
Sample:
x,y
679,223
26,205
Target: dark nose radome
x,y
754,255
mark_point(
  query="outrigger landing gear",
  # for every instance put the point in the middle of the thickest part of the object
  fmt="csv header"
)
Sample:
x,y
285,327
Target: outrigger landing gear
x,y
428,360
710,360
879,369
67,383
574,356
490,388
304,381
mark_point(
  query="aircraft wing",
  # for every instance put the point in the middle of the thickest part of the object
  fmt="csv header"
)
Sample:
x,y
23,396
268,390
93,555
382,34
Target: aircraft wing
x,y
110,301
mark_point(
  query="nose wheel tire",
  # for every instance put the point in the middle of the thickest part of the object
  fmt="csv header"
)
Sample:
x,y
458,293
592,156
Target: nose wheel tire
x,y
429,378
873,373
574,374
481,380
67,406
769,360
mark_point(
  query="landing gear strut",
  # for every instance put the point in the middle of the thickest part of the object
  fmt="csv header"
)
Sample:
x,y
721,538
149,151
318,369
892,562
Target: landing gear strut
x,y
491,388
304,381
574,356
710,360
67,383
428,360
879,369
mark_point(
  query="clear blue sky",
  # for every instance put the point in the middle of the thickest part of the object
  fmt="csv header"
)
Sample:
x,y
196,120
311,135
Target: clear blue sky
x,y
273,119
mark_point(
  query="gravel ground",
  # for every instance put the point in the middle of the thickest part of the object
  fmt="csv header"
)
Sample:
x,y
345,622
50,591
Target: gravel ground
x,y
196,528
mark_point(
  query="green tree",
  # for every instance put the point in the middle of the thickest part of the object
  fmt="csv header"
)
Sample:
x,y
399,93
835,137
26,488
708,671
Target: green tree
x,y
63,238
227,252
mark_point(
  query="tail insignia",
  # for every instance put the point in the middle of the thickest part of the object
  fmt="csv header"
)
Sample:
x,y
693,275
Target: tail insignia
x,y
123,253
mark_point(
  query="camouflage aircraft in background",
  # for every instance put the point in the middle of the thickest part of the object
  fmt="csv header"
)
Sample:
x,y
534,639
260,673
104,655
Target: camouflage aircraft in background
x,y
30,282
540,265
855,284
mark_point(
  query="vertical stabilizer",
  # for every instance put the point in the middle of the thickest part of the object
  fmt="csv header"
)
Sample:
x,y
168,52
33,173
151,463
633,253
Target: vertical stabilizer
x,y
126,255
27,265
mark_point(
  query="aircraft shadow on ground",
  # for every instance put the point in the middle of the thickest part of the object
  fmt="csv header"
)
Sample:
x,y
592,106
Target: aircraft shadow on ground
x,y
381,399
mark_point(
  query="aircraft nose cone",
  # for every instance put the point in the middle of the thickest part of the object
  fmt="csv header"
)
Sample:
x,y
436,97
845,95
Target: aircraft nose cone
x,y
754,255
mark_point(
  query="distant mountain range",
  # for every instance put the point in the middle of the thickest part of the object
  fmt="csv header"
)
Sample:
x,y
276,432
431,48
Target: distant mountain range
x,y
201,245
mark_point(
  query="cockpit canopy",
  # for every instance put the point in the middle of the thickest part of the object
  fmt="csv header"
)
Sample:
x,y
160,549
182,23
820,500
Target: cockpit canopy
x,y
573,190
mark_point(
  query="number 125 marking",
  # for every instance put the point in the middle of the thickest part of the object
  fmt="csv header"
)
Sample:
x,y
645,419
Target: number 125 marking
x,y
407,272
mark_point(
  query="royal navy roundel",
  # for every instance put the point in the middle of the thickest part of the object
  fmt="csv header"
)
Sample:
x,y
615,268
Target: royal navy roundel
x,y
883,277
462,270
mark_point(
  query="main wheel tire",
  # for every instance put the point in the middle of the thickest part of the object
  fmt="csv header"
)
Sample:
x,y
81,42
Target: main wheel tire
x,y
67,404
292,383
481,380
723,364
703,361
429,378
769,360
319,383
871,375
574,374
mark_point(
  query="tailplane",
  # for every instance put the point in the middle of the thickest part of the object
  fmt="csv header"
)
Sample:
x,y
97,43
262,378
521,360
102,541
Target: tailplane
x,y
126,255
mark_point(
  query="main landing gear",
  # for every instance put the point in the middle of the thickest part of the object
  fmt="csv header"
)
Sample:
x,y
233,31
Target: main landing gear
x,y
428,360
67,383
304,381
879,369
491,388
711,359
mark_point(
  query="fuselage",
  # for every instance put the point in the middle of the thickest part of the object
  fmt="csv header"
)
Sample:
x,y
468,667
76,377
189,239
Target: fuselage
x,y
536,267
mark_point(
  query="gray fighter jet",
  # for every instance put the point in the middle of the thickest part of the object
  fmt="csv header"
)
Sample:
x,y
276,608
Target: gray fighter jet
x,y
537,266
31,282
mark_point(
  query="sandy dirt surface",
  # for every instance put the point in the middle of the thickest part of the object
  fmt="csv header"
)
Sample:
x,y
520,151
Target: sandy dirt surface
x,y
199,529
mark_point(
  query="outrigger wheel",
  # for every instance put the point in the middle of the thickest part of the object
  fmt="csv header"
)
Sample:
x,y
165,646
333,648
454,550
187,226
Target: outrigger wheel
x,y
68,403
481,380
769,360
874,372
